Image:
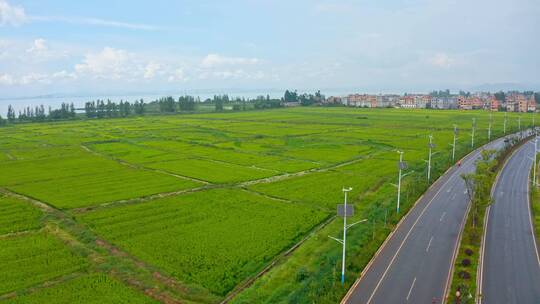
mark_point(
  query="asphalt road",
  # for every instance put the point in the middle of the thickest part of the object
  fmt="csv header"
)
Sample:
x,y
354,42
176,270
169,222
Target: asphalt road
x,y
415,264
511,267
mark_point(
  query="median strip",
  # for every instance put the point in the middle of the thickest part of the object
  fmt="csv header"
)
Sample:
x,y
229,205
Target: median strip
x,y
466,275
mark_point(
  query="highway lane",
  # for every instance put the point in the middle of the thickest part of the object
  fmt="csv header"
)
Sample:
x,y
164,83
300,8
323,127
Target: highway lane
x,y
415,264
511,267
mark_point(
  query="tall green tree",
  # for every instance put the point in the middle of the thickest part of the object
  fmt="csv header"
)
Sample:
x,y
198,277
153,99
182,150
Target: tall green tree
x,y
11,114
478,184
500,96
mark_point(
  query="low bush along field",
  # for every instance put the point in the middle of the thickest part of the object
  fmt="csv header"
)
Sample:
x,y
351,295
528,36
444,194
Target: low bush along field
x,y
92,288
34,258
214,238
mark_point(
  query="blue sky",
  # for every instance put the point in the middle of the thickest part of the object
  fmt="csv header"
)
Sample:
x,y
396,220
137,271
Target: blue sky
x,y
86,47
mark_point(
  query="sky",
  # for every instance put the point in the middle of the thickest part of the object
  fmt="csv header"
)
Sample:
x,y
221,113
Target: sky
x,y
118,47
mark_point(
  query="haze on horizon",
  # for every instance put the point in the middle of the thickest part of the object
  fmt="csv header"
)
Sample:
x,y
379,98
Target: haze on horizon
x,y
77,47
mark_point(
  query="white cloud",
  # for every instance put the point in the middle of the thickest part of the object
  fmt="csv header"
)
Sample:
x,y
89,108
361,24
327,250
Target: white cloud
x,y
231,75
151,69
11,15
34,78
96,22
442,60
38,47
64,75
177,75
215,60
6,79
334,8
4,45
110,63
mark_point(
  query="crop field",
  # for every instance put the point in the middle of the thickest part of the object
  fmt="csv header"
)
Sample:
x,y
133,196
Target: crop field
x,y
16,216
92,288
34,258
223,235
205,202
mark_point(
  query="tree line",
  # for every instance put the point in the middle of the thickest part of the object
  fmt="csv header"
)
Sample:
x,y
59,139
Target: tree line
x,y
39,114
108,109
304,99
100,109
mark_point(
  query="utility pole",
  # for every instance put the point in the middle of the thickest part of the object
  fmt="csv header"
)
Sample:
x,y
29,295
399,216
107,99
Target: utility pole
x,y
472,133
401,166
454,143
505,118
345,190
489,127
519,126
429,159
345,211
535,164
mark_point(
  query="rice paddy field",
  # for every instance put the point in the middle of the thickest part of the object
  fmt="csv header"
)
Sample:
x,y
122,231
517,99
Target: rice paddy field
x,y
206,208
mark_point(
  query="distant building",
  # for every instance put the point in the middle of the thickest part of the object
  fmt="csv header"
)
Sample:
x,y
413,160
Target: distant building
x,y
531,105
494,104
362,100
472,103
333,100
292,104
464,103
407,102
444,103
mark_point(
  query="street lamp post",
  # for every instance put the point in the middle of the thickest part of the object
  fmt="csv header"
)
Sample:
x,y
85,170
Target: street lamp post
x,y
345,190
345,211
489,127
519,126
472,133
535,163
401,166
504,125
454,143
431,145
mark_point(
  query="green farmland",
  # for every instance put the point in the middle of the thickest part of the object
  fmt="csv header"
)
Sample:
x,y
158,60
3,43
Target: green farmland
x,y
192,208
